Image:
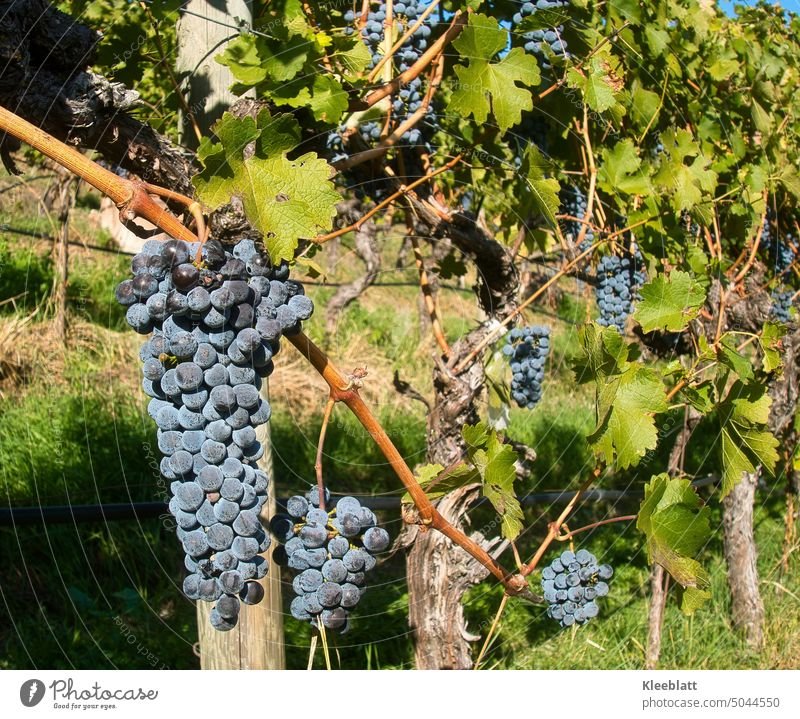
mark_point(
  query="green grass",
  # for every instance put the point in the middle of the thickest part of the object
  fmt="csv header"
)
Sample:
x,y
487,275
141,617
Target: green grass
x,y
74,430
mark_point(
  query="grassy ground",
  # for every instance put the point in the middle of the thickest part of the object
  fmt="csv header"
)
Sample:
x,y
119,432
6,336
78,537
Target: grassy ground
x,y
73,430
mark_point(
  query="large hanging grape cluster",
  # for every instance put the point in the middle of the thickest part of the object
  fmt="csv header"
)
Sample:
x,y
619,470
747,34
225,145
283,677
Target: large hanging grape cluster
x,y
571,584
216,324
332,551
618,281
544,44
411,96
574,203
527,349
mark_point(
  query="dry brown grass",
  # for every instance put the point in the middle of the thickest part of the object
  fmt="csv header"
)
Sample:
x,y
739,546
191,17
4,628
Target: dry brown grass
x,y
299,389
30,349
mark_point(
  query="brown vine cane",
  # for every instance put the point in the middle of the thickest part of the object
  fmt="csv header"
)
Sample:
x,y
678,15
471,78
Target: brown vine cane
x,y
134,200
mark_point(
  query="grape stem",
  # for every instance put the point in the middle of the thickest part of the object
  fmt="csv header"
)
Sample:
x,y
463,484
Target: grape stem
x,y
134,200
404,78
407,34
553,531
494,334
130,196
320,444
514,584
587,216
390,140
403,190
566,537
554,528
428,298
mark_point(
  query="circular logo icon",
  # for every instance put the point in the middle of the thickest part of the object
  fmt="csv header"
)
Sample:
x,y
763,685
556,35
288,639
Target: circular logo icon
x,y
31,692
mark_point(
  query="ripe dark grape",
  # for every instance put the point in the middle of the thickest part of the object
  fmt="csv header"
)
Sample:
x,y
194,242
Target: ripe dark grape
x,y
573,203
618,280
204,372
782,305
526,349
586,581
547,44
331,550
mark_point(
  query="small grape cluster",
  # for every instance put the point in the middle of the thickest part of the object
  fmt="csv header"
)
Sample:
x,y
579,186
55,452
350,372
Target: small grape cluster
x,y
332,550
409,99
618,281
544,44
216,320
782,252
574,203
571,583
782,305
527,349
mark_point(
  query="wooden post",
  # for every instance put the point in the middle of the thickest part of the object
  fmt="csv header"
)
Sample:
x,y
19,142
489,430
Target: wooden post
x,y
203,29
747,608
257,640
67,190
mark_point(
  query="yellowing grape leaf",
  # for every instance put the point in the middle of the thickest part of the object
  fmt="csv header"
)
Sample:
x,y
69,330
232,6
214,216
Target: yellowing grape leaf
x,y
285,199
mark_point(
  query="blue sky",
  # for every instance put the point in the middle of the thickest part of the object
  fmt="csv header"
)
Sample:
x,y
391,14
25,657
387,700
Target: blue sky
x,y
727,6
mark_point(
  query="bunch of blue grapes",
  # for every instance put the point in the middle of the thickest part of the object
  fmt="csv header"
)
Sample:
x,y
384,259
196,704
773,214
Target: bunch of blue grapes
x,y
409,99
618,281
332,551
544,44
571,584
782,305
781,251
215,322
574,203
527,349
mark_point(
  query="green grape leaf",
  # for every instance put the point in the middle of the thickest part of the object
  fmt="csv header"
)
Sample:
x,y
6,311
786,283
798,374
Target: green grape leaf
x,y
627,395
494,462
789,178
284,199
594,83
770,343
436,482
728,356
700,396
761,118
688,182
542,19
690,599
645,105
669,303
324,96
620,170
543,190
252,60
351,55
484,87
744,442
676,526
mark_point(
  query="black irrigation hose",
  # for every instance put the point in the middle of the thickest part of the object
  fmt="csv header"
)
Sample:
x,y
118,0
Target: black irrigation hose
x,y
79,513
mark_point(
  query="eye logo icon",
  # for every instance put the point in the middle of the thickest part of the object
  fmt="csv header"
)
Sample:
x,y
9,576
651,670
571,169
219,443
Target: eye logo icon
x,y
31,692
